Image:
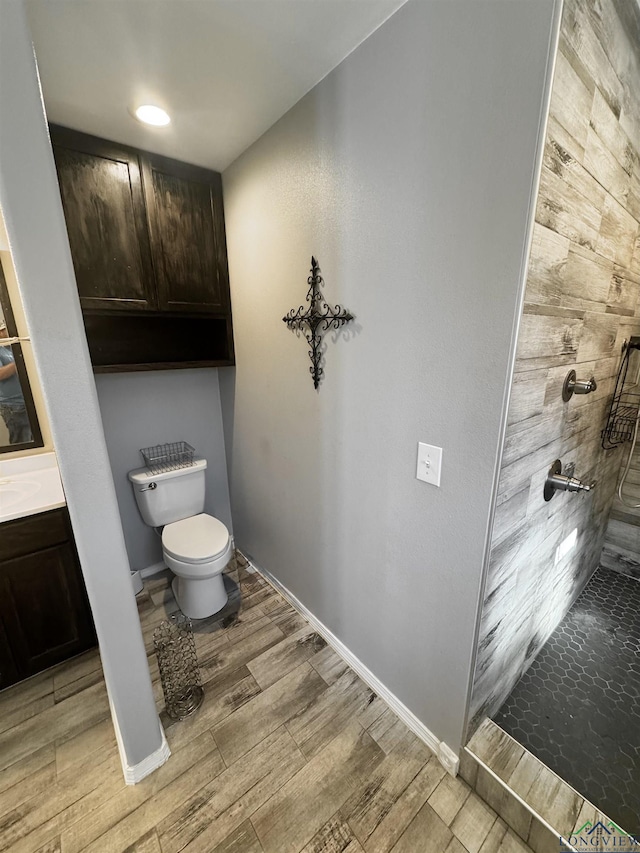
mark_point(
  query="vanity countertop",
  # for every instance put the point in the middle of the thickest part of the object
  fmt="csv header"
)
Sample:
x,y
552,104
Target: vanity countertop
x,y
28,485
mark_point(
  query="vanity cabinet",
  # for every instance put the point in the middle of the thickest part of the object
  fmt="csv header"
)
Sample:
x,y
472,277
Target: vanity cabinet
x,y
44,611
148,245
8,671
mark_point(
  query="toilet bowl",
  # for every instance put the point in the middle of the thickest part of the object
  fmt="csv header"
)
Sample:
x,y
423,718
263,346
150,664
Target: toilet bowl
x,y
196,546
197,550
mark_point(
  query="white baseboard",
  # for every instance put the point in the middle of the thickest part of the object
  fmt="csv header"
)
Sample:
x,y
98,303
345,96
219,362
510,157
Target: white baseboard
x,y
153,569
137,582
447,757
134,773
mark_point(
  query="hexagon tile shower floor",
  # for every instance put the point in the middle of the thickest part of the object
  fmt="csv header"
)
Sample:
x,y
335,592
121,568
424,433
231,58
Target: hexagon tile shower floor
x,y
577,708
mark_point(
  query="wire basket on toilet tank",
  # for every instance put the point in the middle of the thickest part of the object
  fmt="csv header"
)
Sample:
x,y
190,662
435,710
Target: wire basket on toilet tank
x,y
168,457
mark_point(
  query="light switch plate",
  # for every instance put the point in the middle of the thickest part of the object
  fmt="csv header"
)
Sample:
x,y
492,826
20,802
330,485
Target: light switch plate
x,y
429,463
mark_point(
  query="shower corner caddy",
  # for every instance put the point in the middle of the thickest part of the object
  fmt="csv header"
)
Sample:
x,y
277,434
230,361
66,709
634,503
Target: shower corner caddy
x,y
168,457
625,404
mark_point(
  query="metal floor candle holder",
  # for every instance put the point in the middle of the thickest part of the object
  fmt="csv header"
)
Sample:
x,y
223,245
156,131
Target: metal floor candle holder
x,y
175,649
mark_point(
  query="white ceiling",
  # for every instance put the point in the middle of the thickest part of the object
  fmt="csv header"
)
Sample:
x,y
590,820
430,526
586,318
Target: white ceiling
x,y
225,70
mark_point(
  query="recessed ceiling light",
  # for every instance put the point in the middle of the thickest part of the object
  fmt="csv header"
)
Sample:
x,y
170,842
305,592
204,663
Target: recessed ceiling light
x,y
148,114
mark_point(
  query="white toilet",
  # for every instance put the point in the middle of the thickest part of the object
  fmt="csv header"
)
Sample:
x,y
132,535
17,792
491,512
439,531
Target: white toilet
x,y
196,546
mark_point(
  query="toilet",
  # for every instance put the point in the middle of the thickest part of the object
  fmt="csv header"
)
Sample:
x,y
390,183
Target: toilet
x,y
196,546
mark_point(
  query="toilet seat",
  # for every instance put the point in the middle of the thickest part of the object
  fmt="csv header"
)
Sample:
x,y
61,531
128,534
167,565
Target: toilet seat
x,y
197,539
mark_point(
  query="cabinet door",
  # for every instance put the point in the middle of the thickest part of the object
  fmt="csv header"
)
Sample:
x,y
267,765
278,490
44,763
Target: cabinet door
x,y
44,609
186,223
8,672
101,194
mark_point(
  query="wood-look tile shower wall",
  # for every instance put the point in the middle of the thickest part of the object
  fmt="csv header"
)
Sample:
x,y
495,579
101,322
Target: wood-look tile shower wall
x,y
581,302
621,551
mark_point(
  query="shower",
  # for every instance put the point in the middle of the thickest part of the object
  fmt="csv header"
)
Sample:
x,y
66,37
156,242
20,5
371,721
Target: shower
x,y
558,658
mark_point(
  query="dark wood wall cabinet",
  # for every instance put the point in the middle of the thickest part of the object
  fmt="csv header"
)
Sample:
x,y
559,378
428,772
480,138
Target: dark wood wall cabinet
x,y
149,250
44,611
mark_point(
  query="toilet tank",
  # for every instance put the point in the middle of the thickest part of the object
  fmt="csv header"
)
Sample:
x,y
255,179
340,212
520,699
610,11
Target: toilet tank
x,y
171,495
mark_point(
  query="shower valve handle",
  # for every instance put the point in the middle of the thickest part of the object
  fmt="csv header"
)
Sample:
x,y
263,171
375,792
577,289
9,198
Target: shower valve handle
x,y
556,481
584,386
573,484
577,386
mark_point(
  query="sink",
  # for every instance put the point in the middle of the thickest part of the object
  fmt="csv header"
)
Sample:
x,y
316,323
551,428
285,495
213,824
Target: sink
x,y
29,485
13,492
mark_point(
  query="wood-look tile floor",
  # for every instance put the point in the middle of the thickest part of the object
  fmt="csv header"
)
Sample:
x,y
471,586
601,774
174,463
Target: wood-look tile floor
x,y
289,752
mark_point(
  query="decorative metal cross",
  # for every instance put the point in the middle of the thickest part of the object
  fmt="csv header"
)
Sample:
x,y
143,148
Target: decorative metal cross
x,y
318,318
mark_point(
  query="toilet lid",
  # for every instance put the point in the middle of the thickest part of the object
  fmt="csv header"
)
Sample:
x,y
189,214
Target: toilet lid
x,y
195,539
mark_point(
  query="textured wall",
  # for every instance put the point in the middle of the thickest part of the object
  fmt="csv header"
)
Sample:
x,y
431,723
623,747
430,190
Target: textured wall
x,y
411,183
581,301
154,407
33,215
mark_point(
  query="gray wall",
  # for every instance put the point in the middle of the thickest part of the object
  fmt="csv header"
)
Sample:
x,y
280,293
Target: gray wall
x,y
406,175
582,300
35,225
154,407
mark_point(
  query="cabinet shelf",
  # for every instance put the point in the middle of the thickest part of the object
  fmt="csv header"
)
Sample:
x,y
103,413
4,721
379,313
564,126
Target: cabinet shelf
x,y
128,342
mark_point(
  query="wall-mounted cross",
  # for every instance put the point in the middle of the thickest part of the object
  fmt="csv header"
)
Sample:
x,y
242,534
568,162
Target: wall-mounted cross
x,y
318,318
